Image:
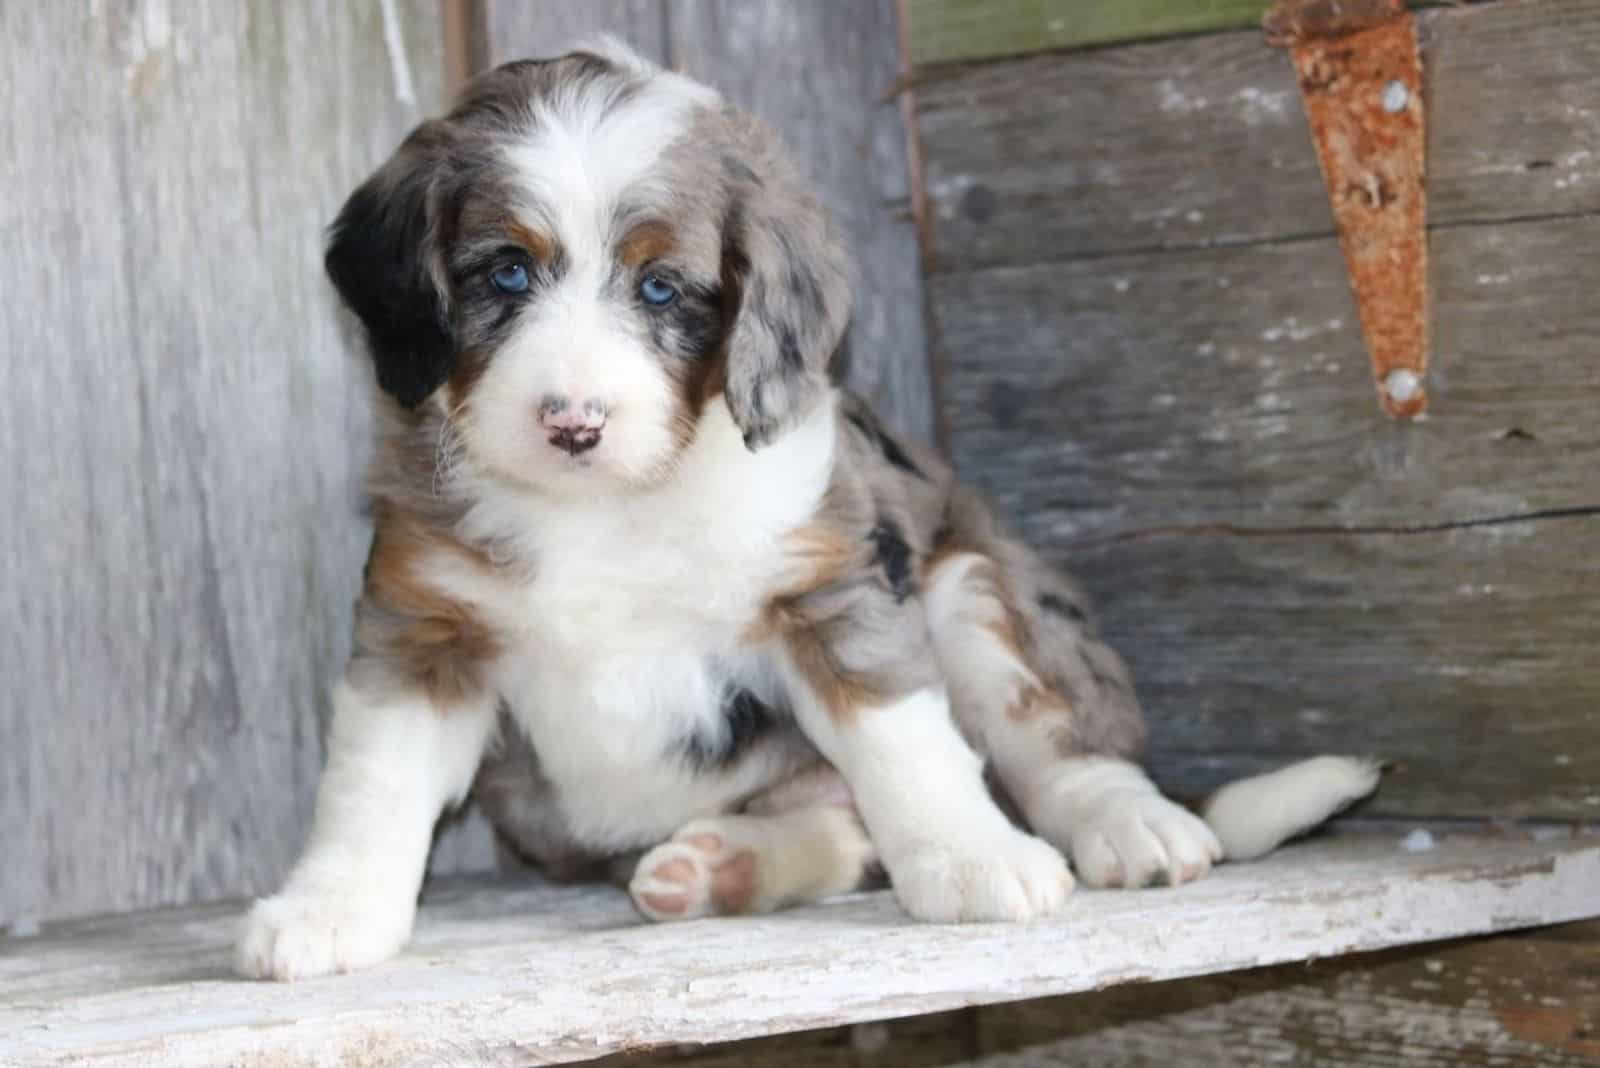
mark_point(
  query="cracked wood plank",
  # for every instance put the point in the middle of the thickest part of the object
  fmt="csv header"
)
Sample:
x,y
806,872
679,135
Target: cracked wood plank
x,y
1525,1000
1133,415
1529,1000
1190,143
536,975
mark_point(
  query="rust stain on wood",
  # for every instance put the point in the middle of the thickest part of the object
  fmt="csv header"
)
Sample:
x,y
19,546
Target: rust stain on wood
x,y
1360,74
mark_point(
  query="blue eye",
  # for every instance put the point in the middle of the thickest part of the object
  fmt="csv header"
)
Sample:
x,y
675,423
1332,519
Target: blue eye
x,y
656,293
510,278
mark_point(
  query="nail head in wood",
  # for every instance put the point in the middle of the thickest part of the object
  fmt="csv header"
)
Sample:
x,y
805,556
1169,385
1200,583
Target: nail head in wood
x,y
1402,386
1396,96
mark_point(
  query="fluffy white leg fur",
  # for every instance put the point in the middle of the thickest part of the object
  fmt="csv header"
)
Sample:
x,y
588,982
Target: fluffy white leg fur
x,y
950,852
744,865
351,899
1254,816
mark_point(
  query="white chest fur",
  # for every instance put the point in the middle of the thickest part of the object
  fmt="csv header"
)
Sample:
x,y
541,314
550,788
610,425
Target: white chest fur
x,y
625,641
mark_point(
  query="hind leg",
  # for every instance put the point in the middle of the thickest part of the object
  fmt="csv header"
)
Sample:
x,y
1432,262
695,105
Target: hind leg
x,y
1053,710
801,843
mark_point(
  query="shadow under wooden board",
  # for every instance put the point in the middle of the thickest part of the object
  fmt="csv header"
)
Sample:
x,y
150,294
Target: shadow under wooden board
x,y
1186,417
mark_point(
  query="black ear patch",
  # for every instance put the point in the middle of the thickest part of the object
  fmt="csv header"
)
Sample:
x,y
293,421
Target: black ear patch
x,y
383,257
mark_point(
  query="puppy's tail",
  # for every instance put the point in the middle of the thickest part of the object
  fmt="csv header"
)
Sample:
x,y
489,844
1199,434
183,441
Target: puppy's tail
x,y
1254,816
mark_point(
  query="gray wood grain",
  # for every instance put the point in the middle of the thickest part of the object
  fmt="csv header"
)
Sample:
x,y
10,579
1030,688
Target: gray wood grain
x,y
518,29
512,975
1202,141
1138,417
182,429
1524,1000
821,73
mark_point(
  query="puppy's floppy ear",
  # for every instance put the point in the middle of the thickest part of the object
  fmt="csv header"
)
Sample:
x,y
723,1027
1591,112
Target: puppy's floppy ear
x,y
786,286
385,257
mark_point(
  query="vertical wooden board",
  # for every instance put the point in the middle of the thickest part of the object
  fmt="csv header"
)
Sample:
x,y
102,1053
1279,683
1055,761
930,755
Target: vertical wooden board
x,y
821,73
519,29
182,431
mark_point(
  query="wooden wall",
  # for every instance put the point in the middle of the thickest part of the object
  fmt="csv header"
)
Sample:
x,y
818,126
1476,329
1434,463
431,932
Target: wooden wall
x,y
184,416
1150,356
181,540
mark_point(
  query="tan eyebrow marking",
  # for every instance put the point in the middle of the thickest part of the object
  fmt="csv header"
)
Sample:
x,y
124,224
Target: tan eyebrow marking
x,y
645,242
539,244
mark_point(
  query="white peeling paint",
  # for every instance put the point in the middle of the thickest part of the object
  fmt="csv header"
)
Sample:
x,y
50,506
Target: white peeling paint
x,y
1294,330
1175,102
1256,106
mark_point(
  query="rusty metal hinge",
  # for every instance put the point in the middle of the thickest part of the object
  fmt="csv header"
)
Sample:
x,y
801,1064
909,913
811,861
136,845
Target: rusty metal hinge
x,y
1360,71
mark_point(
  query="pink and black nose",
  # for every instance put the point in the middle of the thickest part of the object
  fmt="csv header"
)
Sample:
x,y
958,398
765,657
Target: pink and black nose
x,y
572,428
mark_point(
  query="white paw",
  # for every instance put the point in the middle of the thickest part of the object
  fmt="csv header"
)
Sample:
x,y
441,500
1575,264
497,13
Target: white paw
x,y
301,934
1006,876
704,870
1136,837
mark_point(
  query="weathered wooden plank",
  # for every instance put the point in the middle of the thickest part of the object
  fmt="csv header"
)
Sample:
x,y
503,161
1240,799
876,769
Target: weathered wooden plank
x,y
1529,1000
182,539
1465,656
1202,142
518,976
1231,385
821,74
1518,1000
1138,417
516,29
953,31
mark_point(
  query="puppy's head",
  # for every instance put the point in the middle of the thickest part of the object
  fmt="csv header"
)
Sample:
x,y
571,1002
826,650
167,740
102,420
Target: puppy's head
x,y
582,259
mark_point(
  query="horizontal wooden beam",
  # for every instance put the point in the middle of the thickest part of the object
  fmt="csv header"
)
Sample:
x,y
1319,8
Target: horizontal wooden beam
x,y
1530,999
506,975
956,31
1198,142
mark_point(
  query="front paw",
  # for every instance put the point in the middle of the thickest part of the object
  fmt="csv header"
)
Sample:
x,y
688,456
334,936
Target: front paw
x,y
1007,876
300,934
1135,838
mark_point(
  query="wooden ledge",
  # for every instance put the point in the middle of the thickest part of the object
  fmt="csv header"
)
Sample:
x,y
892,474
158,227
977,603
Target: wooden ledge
x,y
503,974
